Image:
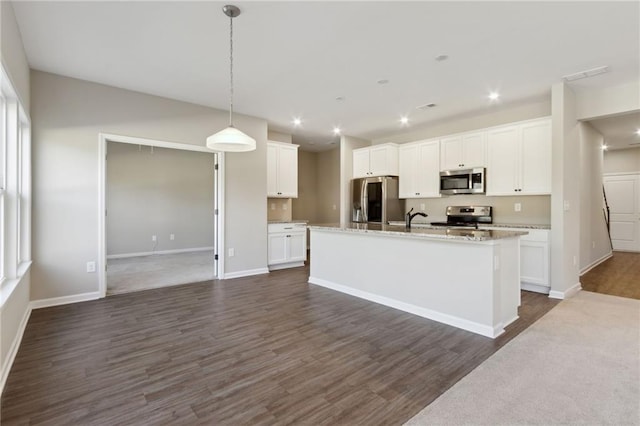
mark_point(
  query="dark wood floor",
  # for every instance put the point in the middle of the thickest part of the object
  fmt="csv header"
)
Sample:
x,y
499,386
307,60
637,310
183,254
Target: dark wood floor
x,y
617,276
258,350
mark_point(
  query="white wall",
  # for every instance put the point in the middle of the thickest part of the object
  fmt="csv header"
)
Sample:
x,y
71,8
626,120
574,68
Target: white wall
x,y
622,161
14,294
493,117
158,191
605,102
594,240
565,195
68,115
14,59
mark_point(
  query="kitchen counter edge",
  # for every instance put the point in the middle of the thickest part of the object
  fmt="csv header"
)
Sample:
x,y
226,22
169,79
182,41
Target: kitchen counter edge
x,y
463,234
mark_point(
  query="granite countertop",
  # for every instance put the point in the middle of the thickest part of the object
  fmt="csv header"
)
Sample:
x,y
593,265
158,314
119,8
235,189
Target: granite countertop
x,y
485,225
287,221
464,234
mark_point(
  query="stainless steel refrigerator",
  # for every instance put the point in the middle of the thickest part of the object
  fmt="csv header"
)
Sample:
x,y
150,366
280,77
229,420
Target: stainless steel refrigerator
x,y
375,199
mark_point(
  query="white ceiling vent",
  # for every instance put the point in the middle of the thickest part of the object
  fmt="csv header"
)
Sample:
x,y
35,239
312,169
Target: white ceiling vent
x,y
586,74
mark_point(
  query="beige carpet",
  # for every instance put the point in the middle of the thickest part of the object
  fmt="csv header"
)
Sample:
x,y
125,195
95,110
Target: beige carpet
x,y
159,270
579,364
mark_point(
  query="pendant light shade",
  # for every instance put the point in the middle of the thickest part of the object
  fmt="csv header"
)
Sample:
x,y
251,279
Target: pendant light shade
x,y
231,139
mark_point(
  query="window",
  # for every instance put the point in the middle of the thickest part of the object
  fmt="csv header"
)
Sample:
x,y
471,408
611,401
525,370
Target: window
x,y
15,184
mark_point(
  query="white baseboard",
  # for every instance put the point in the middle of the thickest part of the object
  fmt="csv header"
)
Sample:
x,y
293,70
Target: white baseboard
x,y
462,323
286,265
536,288
64,300
571,291
13,350
596,263
246,273
151,253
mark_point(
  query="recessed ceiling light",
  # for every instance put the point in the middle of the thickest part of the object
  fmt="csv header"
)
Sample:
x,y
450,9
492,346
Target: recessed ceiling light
x,y
297,121
638,132
605,147
336,130
494,96
585,74
441,58
383,81
404,120
340,98
425,106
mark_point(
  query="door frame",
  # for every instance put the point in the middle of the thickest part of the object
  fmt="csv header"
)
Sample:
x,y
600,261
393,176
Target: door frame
x,y
103,138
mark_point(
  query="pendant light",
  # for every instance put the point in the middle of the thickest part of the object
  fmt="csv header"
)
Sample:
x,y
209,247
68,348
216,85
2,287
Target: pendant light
x,y
231,139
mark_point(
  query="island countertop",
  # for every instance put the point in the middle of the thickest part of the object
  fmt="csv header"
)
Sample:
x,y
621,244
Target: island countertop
x,y
463,234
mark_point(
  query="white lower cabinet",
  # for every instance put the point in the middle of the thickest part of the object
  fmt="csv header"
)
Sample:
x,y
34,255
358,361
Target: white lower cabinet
x,y
535,257
287,245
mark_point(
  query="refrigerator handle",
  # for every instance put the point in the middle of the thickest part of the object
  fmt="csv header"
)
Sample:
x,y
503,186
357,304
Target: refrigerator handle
x,y
365,201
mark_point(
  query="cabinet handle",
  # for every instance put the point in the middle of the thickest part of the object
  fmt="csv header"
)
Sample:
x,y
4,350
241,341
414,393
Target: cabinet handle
x,y
288,236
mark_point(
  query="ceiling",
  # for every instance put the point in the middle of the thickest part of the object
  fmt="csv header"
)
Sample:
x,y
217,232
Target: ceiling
x,y
294,59
620,131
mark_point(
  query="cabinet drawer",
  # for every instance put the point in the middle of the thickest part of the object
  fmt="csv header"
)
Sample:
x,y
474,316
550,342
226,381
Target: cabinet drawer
x,y
286,227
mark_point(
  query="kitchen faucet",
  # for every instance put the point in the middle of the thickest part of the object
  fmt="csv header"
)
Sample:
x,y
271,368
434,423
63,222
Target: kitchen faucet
x,y
409,217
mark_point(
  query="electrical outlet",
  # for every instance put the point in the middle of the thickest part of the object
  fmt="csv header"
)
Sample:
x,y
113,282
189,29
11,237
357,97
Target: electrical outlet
x,y
232,252
154,238
335,207
593,244
575,260
284,206
172,237
422,207
273,206
517,207
91,266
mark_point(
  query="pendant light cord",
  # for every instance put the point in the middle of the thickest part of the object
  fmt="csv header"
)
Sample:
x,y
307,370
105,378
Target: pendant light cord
x,y
231,72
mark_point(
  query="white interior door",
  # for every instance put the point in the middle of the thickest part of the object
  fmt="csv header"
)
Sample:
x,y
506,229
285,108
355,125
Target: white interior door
x,y
623,196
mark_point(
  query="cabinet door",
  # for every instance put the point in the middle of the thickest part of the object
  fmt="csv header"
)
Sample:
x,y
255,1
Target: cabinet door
x,y
272,170
278,250
474,150
408,167
297,246
534,263
428,170
383,160
535,154
503,161
361,163
451,153
288,171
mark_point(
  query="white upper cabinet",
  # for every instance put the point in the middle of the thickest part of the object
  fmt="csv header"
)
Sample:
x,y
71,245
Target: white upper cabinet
x,y
377,160
419,171
463,151
519,159
282,170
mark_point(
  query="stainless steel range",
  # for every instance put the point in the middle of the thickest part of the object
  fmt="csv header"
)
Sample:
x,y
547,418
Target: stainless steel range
x,y
467,216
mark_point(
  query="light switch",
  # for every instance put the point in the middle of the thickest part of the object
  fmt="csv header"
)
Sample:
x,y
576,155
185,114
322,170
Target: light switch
x,y
517,207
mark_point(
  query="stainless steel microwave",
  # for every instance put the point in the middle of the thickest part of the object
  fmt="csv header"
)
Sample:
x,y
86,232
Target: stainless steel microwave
x,y
465,181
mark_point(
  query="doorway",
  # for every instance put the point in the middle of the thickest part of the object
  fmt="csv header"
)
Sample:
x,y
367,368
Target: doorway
x,y
159,214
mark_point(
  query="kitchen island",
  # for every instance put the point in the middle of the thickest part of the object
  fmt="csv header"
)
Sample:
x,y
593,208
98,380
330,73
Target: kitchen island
x,y
466,278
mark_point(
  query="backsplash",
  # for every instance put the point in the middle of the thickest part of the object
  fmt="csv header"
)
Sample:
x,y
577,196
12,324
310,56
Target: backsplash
x,y
535,209
278,209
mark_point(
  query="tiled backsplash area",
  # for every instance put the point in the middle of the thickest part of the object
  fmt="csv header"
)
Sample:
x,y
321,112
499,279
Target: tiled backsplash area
x,y
278,208
534,209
